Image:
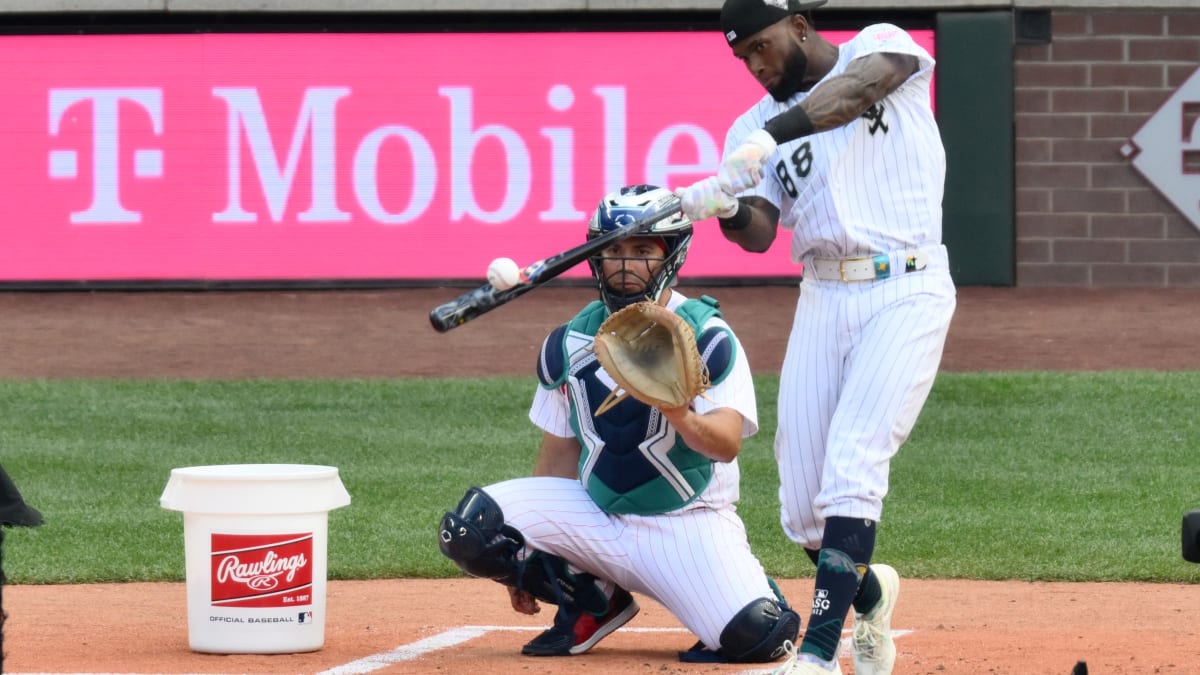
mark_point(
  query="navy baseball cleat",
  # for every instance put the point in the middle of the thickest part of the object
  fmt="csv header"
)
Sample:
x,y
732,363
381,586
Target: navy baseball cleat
x,y
576,631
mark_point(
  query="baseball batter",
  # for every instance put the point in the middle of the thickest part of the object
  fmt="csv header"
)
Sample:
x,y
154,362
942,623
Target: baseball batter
x,y
636,498
844,153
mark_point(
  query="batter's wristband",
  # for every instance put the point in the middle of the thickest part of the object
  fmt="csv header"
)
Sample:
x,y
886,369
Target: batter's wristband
x,y
739,221
789,125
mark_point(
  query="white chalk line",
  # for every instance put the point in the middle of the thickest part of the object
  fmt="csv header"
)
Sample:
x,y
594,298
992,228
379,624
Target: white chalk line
x,y
443,640
460,635
457,636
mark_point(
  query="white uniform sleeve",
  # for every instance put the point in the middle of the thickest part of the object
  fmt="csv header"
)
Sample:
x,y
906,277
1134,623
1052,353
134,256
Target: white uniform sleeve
x,y
735,391
551,412
884,37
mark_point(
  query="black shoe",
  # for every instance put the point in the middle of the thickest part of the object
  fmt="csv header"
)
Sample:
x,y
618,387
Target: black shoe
x,y
575,631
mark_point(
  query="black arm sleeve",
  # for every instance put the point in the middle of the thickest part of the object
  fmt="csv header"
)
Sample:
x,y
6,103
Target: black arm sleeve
x,y
789,125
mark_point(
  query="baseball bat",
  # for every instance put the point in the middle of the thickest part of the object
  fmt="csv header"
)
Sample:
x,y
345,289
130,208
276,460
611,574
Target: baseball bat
x,y
484,299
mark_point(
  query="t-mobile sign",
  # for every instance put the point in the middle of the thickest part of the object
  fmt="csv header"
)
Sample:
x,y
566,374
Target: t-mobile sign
x,y
349,156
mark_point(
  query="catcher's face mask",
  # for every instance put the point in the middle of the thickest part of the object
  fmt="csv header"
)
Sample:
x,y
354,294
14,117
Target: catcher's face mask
x,y
655,267
629,266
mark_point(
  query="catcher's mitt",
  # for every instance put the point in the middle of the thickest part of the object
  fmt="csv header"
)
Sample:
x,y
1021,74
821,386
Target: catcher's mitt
x,y
651,353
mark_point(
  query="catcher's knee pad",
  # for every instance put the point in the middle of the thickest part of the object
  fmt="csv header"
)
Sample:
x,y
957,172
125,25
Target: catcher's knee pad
x,y
757,632
475,537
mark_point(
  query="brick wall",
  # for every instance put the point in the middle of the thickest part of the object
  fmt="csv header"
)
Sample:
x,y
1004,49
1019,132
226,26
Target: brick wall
x,y
1084,215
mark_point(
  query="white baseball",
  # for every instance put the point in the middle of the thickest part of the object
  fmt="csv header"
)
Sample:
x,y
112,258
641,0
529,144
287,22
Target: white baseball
x,y
503,274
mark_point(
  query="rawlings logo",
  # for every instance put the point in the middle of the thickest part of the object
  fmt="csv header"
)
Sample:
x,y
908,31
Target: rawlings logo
x,y
262,570
263,574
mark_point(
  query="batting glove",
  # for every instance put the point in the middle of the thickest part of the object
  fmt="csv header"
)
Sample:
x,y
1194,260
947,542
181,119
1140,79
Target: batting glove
x,y
704,199
743,168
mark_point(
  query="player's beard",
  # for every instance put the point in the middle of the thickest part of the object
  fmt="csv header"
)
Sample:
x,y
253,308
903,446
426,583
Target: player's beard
x,y
795,67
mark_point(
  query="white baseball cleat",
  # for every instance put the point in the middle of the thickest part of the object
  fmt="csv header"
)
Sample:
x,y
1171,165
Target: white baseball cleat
x,y
874,650
804,664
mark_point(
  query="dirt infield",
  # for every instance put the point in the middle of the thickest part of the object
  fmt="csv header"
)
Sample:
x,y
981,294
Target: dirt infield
x,y
386,333
465,625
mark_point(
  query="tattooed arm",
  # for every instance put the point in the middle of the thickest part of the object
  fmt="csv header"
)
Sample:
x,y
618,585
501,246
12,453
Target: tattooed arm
x,y
844,98
831,104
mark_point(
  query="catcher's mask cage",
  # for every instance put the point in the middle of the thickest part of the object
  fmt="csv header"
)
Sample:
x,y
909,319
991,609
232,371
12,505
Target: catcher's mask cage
x,y
623,207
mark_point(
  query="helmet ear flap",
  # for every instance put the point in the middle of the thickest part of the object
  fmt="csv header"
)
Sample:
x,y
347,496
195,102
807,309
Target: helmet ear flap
x,y
676,255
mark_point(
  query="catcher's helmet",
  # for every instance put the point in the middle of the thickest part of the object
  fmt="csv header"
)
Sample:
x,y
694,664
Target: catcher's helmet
x,y
623,207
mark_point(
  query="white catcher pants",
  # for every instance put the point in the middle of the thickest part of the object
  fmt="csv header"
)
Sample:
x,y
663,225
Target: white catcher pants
x,y
697,562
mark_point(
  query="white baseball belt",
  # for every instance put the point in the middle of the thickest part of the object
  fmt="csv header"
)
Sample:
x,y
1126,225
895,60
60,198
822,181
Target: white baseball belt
x,y
880,266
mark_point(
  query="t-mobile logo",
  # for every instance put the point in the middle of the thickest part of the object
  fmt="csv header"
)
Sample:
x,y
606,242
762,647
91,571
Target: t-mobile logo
x,y
106,106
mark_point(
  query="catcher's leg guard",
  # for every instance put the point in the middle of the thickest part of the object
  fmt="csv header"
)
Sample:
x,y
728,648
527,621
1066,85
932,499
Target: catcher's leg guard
x,y
547,578
476,538
756,633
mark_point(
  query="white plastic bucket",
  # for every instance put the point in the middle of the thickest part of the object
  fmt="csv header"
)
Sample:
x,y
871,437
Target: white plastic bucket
x,y
255,542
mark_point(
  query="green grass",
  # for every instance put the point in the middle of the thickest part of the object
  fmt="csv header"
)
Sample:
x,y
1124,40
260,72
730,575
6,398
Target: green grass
x,y
1027,476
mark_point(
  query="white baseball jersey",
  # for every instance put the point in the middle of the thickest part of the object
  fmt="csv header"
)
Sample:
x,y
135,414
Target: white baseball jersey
x,y
862,355
872,186
696,560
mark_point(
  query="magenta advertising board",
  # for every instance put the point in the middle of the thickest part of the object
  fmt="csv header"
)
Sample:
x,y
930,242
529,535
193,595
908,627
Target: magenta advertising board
x,y
348,156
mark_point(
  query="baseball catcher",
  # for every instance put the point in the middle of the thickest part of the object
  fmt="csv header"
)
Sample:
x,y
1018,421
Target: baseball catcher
x,y
645,397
